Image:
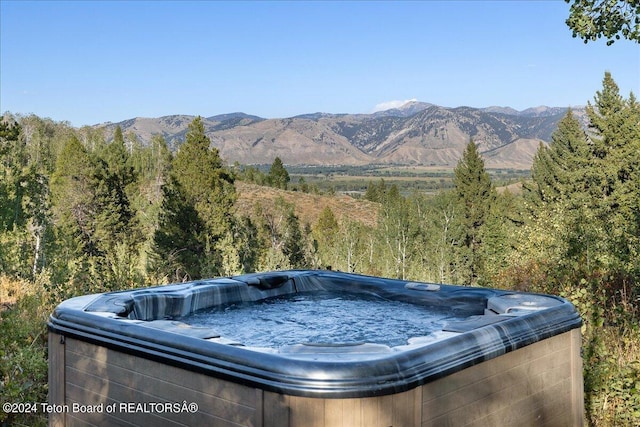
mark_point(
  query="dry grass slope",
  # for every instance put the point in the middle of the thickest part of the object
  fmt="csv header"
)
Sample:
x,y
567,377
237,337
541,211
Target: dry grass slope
x,y
307,206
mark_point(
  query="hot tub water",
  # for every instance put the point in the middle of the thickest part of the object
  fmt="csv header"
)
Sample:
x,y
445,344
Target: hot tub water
x,y
322,317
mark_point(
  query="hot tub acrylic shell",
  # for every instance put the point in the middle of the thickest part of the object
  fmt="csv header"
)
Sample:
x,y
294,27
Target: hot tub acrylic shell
x,y
514,359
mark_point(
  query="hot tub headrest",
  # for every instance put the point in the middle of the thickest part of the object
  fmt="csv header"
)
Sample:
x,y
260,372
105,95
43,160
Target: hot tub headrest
x,y
118,304
177,300
266,281
189,299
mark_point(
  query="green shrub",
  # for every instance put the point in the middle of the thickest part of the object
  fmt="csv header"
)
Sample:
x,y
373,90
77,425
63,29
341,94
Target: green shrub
x,y
23,357
611,355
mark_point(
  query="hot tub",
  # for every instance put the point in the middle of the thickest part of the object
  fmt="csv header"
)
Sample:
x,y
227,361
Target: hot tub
x,y
475,357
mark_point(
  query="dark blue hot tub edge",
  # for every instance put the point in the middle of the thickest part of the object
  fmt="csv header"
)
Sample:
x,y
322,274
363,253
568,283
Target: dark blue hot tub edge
x,y
329,377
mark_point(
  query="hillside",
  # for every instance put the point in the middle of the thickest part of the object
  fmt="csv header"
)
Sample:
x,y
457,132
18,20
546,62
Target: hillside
x,y
415,134
307,206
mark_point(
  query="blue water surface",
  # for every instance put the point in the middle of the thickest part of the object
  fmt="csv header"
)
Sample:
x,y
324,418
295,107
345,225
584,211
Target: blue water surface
x,y
322,318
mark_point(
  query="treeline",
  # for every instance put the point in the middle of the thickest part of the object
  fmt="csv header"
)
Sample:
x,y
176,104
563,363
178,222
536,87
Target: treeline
x,y
95,215
81,214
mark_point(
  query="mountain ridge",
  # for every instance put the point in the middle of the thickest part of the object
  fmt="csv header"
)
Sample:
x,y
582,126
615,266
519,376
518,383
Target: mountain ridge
x,y
416,133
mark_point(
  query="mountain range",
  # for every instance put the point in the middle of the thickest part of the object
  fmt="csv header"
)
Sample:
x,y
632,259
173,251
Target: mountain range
x,y
417,133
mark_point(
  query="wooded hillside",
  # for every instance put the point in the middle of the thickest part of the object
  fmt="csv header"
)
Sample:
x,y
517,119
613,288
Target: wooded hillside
x,y
81,214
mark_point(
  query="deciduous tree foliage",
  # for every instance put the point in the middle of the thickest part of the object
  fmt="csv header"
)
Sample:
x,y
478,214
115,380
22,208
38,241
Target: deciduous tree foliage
x,y
150,165
325,234
28,149
396,231
435,244
282,244
246,243
612,19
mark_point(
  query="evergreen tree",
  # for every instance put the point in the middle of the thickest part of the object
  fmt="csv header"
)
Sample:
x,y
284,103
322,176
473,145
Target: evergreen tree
x,y
327,225
293,241
12,162
607,118
117,228
151,166
499,235
376,192
96,229
202,189
558,171
615,136
207,185
476,194
116,157
585,242
118,136
278,176
565,180
14,177
177,248
74,211
586,188
112,175
73,195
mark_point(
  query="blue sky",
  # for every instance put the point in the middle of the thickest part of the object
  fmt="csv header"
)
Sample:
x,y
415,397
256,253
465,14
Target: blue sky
x,y
89,62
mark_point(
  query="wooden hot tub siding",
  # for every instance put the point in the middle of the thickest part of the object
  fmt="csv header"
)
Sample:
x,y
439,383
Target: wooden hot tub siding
x,y
537,385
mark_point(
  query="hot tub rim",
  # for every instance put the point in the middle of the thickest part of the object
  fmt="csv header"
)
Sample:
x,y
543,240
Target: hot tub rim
x,y
390,373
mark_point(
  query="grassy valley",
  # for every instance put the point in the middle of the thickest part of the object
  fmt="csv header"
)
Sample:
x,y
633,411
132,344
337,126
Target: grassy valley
x,y
354,180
